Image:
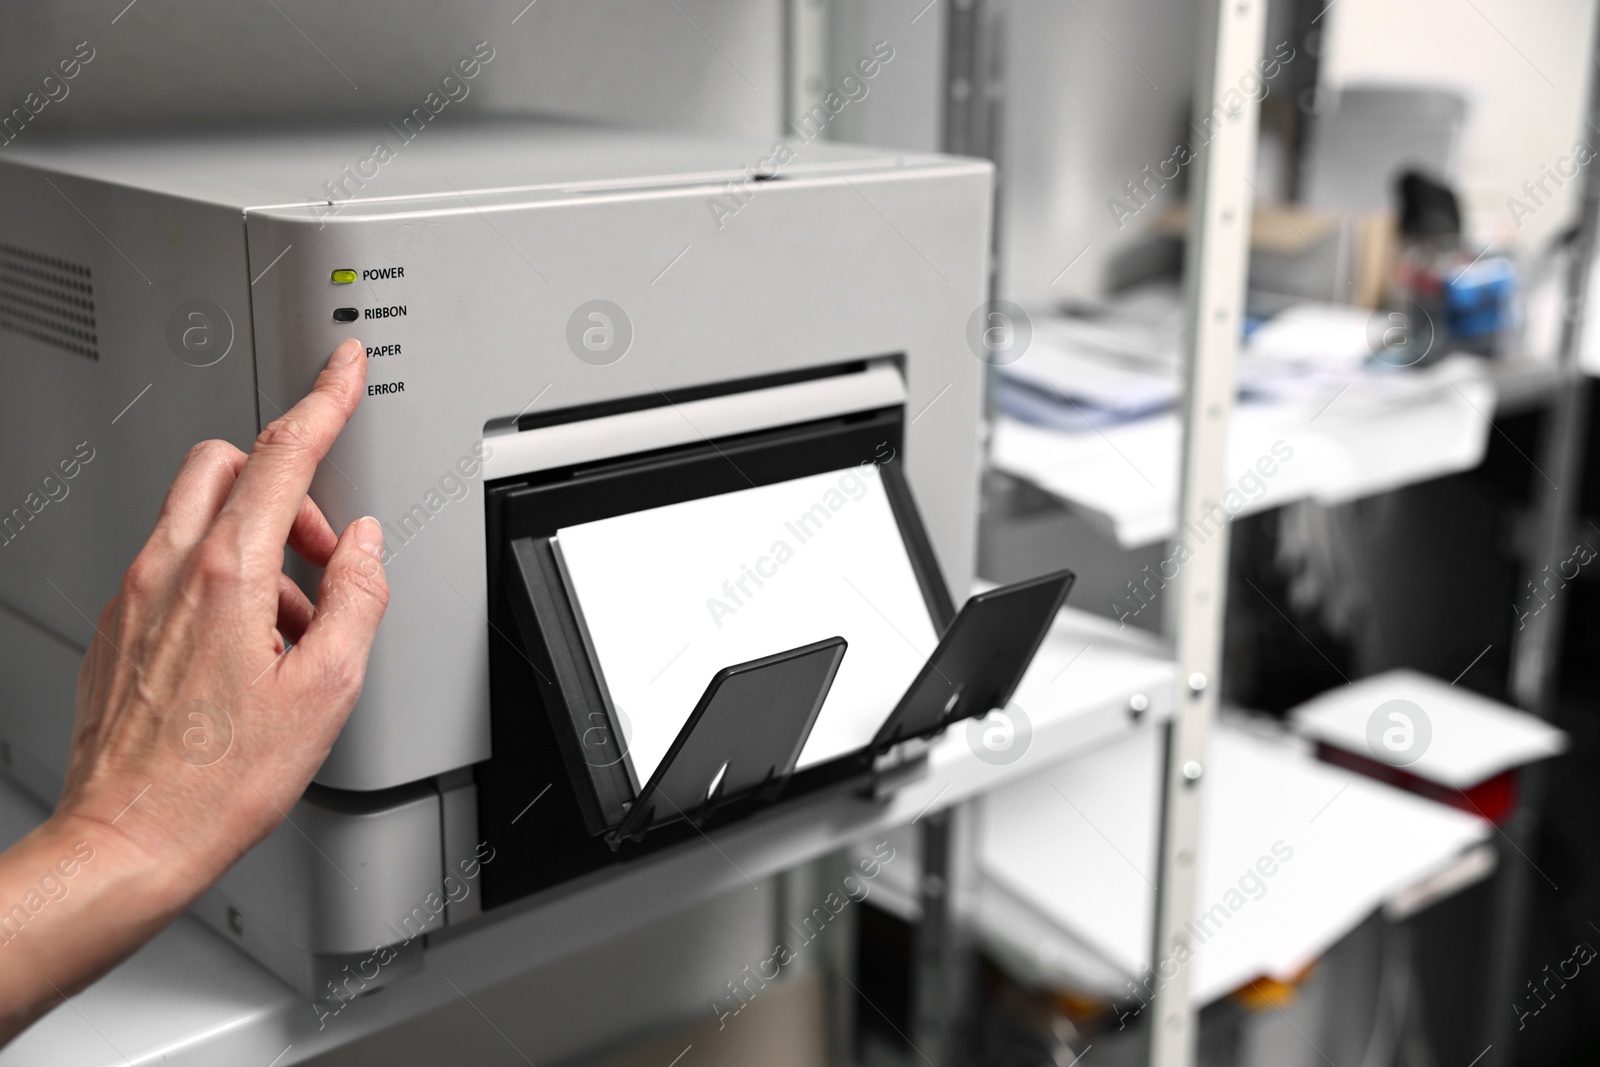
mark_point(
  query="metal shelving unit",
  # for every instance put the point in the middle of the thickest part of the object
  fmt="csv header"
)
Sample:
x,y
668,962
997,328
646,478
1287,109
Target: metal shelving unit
x,y
1230,38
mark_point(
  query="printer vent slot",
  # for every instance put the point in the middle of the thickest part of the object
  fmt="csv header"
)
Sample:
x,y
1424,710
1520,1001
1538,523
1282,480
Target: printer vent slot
x,y
49,300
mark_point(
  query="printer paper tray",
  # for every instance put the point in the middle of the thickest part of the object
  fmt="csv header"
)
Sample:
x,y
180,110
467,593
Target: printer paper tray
x,y
550,724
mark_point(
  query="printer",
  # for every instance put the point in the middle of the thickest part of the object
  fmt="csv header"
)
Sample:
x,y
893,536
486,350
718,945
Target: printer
x,y
579,340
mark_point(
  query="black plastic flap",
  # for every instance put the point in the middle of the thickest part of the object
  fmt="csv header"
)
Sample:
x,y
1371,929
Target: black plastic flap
x,y
744,736
979,661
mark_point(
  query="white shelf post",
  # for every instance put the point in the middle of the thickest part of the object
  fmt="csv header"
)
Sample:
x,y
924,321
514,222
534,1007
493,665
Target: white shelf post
x,y
1216,263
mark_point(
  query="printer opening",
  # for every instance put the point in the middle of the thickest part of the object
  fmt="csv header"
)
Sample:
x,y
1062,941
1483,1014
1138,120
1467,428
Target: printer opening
x,y
608,607
699,608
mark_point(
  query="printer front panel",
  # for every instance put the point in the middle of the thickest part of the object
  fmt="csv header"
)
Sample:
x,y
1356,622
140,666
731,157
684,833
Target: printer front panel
x,y
477,310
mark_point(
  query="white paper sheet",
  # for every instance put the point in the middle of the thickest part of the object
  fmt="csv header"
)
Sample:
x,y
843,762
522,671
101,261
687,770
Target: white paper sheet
x,y
672,595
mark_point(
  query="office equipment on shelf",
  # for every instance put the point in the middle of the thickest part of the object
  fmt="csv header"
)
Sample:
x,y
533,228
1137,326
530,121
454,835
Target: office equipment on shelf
x,y
1295,854
559,333
1450,293
1442,741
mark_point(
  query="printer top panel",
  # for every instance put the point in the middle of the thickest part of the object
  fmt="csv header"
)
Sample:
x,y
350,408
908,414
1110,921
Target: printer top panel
x,y
252,169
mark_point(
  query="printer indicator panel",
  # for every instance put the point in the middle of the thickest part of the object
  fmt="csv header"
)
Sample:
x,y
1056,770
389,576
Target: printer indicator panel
x,y
379,310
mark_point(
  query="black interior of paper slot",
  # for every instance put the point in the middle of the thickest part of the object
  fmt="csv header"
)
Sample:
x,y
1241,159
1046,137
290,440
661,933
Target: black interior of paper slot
x,y
548,719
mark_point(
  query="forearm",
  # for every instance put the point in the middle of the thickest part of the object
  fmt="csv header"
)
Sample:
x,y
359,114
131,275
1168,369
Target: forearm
x,y
205,632
76,898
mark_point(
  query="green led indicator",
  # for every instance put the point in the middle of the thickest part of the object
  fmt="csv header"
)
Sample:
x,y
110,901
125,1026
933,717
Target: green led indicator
x,y
343,277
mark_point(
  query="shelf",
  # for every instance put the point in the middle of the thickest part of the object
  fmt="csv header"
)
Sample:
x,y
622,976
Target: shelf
x,y
1378,433
1064,898
188,997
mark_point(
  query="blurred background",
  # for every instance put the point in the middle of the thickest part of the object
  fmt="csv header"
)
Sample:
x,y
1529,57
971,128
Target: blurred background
x,y
1417,179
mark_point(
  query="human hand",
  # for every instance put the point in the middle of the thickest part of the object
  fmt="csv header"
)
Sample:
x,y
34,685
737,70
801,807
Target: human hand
x,y
213,689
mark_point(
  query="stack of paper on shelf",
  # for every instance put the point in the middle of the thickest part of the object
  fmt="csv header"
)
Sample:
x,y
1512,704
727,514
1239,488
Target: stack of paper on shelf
x,y
1468,738
1294,855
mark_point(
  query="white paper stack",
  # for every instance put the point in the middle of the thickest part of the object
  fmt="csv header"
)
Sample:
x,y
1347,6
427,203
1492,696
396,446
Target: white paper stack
x,y
1470,737
1343,440
1294,854
1305,348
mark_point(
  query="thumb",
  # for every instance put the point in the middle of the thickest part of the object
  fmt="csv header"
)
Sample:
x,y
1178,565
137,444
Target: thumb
x,y
350,603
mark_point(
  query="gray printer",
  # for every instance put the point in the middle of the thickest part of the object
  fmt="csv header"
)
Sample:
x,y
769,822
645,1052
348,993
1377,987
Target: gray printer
x,y
554,314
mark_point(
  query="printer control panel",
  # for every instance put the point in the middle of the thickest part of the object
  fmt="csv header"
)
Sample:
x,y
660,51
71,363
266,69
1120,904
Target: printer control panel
x,y
384,302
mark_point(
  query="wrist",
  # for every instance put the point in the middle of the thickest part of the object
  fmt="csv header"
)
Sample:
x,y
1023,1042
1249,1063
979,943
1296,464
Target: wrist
x,y
103,859
75,900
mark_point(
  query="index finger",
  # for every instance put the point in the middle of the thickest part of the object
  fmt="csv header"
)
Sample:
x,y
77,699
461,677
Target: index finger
x,y
276,477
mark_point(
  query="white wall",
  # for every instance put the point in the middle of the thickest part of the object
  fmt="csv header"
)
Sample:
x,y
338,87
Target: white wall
x,y
1095,90
1522,65
707,64
905,106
